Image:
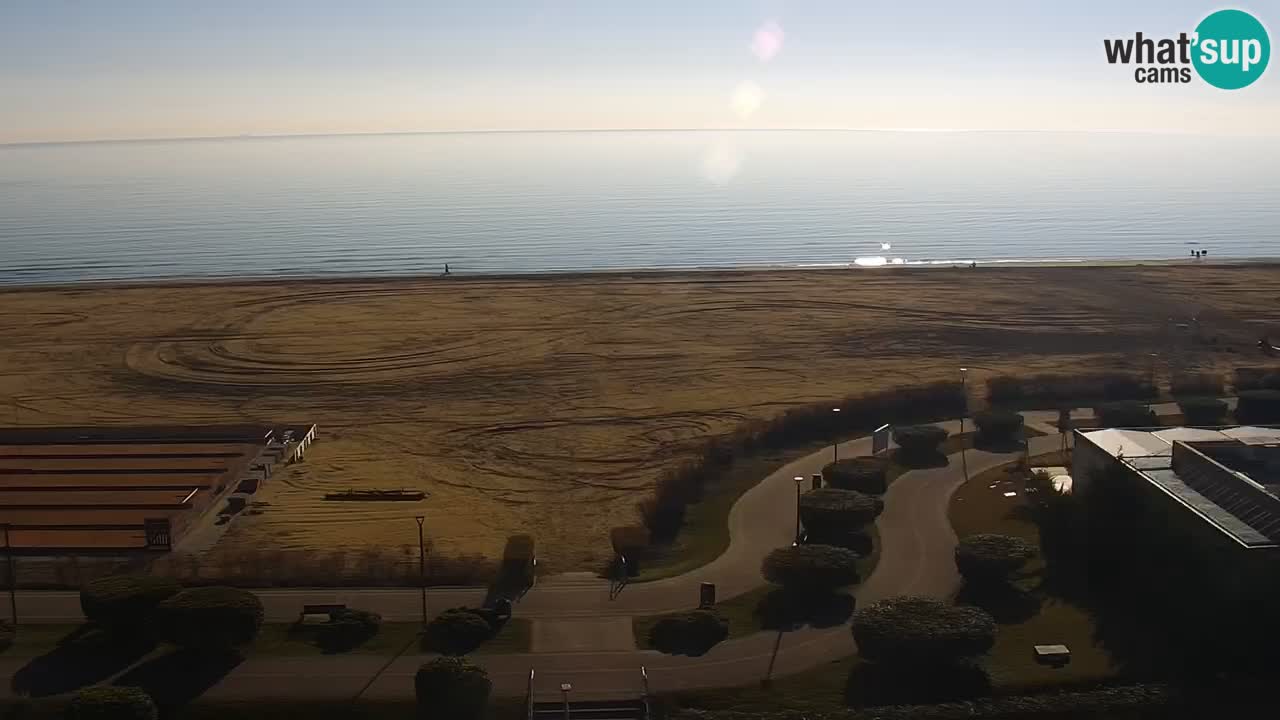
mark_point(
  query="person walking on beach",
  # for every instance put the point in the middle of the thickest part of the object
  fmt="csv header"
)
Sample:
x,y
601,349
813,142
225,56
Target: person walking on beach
x,y
446,268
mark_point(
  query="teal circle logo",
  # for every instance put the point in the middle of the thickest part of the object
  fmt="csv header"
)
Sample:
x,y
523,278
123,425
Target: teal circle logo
x,y
1231,49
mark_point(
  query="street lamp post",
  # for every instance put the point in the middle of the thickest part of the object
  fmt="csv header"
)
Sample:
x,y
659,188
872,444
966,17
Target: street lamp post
x,y
564,693
799,481
13,578
964,388
422,568
835,446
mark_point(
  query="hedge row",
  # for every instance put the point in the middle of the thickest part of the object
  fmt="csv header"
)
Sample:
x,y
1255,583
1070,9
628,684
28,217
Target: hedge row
x,y
1048,390
988,558
1198,384
210,618
691,633
811,568
105,702
831,512
866,474
457,631
125,602
451,689
996,426
1257,378
663,512
1203,410
1102,702
916,630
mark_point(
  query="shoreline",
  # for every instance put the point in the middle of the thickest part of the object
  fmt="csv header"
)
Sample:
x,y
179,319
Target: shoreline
x,y
668,273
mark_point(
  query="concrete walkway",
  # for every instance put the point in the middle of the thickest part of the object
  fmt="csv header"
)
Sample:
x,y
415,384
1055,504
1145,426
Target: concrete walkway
x,y
916,557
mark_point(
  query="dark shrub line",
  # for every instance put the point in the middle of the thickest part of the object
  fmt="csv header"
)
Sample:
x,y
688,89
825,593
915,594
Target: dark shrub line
x,y
663,512
1049,390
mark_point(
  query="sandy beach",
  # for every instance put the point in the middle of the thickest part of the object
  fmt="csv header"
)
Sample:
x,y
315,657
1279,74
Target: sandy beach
x,y
549,404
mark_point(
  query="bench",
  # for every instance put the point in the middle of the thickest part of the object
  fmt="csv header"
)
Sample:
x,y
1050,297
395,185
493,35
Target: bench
x,y
320,613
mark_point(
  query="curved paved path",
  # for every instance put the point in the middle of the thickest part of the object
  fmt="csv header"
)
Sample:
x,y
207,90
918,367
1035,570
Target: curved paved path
x,y
916,557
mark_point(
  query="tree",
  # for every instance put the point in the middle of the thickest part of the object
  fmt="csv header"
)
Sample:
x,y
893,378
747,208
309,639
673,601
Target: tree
x,y
832,512
692,633
1126,414
811,568
456,631
919,441
1203,410
991,558
104,702
125,602
998,426
865,474
450,688
921,631
210,618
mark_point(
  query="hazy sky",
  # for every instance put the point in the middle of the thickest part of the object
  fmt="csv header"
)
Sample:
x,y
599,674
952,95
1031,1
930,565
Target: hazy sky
x,y
93,69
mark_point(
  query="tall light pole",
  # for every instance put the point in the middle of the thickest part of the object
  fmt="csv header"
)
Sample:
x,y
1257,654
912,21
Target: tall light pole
x,y
13,578
422,568
835,445
964,388
799,481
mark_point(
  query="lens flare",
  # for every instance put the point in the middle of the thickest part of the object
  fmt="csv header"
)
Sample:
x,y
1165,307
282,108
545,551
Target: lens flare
x,y
721,163
767,41
746,100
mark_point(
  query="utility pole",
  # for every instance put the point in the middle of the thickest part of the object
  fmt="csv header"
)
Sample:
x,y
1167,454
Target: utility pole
x,y
13,578
799,481
835,446
422,568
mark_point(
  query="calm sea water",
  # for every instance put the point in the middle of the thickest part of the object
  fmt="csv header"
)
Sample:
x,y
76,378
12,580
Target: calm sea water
x,y
534,202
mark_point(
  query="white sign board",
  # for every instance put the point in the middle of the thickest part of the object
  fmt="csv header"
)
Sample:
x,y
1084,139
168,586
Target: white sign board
x,y
880,440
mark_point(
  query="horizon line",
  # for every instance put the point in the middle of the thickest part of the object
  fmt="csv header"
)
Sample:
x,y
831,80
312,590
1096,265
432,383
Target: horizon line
x,y
531,131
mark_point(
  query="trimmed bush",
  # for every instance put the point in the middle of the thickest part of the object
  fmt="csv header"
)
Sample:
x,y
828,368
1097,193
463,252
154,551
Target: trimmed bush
x,y
125,601
1259,406
210,618
992,558
1203,411
831,512
692,633
924,631
516,570
919,440
456,631
8,634
866,474
1126,414
347,629
1049,391
451,689
1257,378
811,568
103,702
999,426
1198,385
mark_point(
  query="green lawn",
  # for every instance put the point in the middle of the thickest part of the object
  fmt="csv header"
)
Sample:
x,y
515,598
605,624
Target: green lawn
x,y
35,640
288,640
977,507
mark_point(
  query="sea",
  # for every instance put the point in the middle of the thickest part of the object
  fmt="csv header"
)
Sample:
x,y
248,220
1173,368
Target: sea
x,y
539,202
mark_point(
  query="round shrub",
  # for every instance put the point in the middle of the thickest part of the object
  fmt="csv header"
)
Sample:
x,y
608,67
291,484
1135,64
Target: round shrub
x,y
1126,414
1203,411
451,689
865,474
992,558
996,426
692,633
457,631
8,633
347,629
918,440
210,618
924,631
828,512
1259,406
104,702
811,568
125,601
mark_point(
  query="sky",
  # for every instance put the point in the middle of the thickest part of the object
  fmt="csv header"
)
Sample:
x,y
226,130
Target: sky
x,y
114,69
